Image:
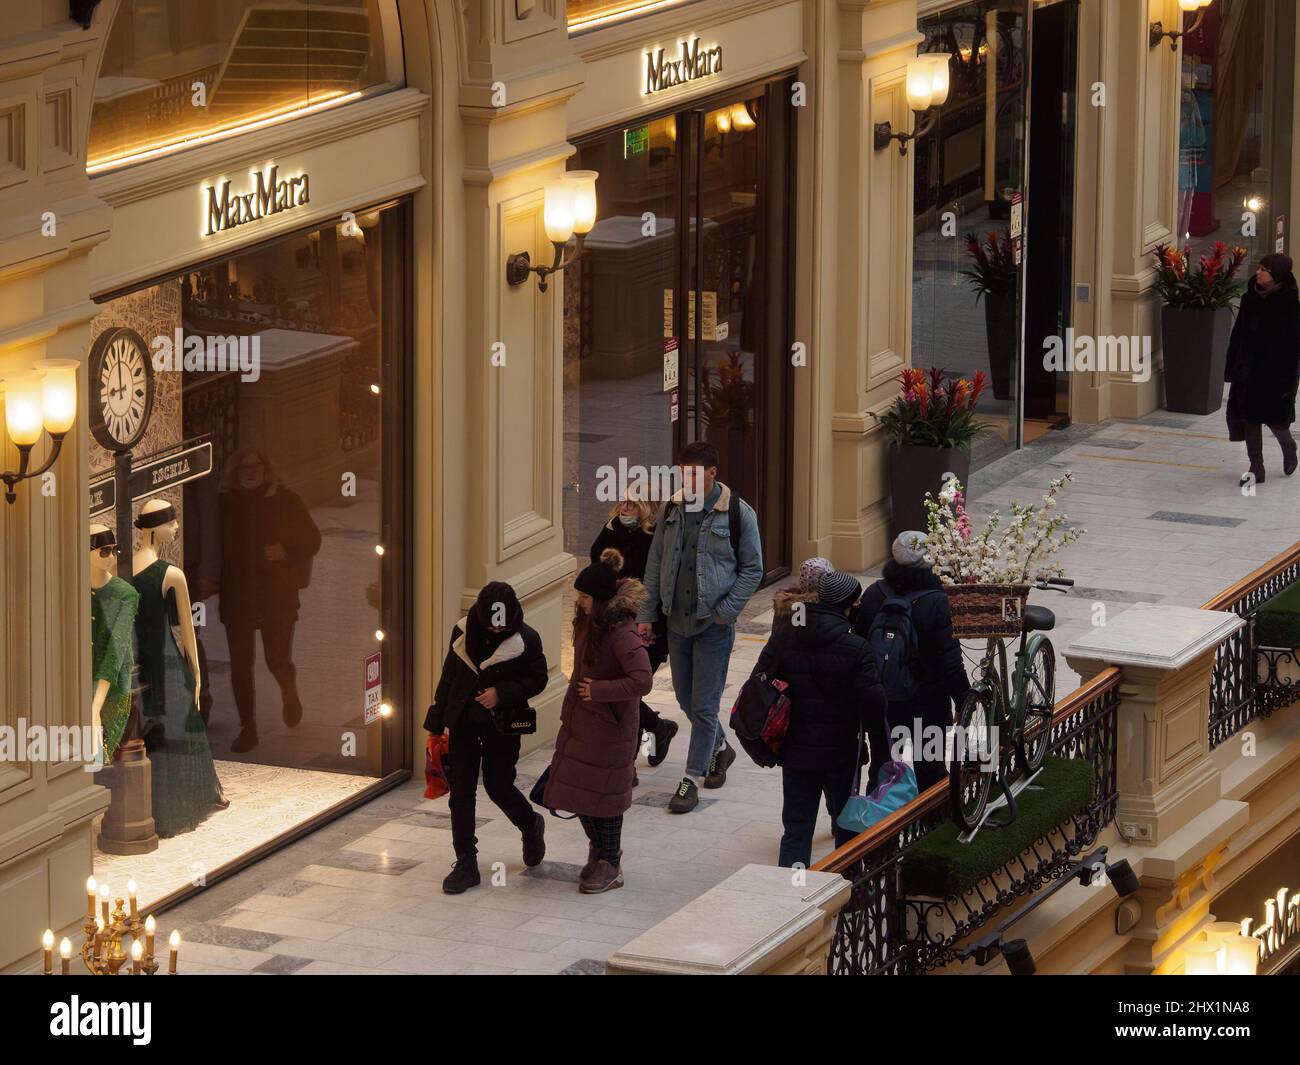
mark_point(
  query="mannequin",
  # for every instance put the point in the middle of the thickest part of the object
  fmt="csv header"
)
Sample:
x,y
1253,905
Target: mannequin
x,y
185,784
113,608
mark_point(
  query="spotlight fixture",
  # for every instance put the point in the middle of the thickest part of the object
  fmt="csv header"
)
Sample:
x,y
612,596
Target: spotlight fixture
x,y
927,88
1123,879
1157,31
569,208
1020,962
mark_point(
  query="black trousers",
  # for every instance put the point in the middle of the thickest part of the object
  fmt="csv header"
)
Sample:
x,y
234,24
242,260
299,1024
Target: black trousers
x,y
1255,443
605,835
658,652
473,746
802,792
277,646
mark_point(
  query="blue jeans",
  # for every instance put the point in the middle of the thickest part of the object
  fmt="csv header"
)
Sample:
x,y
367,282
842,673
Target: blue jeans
x,y
802,793
699,666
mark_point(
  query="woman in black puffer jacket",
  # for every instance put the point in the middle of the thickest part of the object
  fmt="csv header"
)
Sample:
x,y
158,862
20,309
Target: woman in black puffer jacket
x,y
834,694
629,531
1262,362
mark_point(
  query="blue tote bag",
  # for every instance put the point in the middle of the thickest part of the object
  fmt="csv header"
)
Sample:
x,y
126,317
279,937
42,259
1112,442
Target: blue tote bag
x,y
896,788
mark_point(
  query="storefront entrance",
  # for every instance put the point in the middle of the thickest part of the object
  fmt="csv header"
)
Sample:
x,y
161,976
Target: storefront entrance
x,y
696,212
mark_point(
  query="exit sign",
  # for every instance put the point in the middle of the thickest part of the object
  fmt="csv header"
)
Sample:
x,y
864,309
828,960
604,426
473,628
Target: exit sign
x,y
635,141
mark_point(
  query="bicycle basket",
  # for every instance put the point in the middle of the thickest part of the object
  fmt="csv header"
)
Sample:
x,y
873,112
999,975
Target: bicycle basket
x,y
987,611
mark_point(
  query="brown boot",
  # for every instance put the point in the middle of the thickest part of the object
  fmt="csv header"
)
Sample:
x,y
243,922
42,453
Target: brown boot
x,y
604,877
590,867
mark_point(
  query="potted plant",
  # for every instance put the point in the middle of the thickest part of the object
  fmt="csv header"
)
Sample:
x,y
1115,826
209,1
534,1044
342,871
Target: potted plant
x,y
728,416
930,425
994,276
987,574
1195,322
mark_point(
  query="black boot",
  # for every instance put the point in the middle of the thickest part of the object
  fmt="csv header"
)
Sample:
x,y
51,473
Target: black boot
x,y
463,876
246,740
535,843
663,733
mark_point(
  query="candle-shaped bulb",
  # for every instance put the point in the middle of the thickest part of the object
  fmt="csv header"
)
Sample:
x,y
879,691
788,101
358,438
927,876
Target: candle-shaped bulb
x,y
150,925
91,886
137,950
65,948
47,945
130,887
47,940
174,940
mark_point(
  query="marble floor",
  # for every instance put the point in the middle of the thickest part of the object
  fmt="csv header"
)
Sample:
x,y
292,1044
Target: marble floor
x,y
1165,522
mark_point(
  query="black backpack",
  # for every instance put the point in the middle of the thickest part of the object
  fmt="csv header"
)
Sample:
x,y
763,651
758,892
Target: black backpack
x,y
733,523
894,642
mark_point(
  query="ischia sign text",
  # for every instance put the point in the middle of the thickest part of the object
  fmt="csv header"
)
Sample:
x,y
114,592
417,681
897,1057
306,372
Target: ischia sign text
x,y
271,194
693,62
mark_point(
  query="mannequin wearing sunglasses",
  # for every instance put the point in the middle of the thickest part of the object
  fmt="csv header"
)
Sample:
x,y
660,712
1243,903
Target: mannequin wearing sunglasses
x,y
113,607
185,784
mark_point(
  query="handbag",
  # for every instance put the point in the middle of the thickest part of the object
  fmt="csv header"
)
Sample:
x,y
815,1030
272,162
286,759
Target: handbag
x,y
537,795
515,720
435,771
760,718
895,789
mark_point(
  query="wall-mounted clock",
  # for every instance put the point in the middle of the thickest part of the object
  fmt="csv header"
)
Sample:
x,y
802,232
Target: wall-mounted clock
x,y
121,388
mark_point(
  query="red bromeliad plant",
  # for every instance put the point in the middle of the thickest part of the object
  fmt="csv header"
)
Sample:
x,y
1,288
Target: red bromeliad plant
x,y
993,270
932,412
1208,286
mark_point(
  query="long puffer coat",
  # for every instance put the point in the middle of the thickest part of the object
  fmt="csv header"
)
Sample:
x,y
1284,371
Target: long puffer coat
x,y
1263,355
595,751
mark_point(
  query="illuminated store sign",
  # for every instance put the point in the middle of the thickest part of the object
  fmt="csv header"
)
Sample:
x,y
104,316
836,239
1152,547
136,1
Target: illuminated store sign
x,y
1281,928
694,62
271,195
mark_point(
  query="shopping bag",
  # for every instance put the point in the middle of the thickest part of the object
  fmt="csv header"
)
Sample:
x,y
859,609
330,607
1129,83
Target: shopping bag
x,y
435,773
896,787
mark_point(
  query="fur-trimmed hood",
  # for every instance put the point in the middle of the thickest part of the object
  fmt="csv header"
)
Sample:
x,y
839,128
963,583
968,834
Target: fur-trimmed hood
x,y
627,602
784,599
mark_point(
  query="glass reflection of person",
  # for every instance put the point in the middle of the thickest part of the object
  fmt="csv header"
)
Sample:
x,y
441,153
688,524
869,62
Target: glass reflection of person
x,y
268,541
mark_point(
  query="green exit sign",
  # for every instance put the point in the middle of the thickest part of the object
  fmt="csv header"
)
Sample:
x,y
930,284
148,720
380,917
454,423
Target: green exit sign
x,y
635,141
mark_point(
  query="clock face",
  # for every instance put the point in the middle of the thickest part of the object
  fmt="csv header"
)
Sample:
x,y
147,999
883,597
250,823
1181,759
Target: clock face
x,y
121,388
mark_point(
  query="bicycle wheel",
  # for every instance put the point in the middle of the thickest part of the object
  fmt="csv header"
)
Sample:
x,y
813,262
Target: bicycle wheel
x,y
969,782
1040,703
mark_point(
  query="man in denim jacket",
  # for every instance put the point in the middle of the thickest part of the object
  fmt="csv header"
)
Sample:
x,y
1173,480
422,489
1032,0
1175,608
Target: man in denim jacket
x,y
700,585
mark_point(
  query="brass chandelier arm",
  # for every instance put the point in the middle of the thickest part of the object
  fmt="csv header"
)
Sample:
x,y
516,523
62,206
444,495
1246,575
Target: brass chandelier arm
x,y
12,477
884,131
1158,32
520,265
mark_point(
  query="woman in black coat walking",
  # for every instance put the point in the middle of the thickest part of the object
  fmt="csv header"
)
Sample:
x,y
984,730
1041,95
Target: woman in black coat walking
x,y
494,665
834,695
940,672
630,530
1263,356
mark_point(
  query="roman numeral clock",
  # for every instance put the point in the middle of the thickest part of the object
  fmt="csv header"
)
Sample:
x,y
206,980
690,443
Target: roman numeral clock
x,y
121,390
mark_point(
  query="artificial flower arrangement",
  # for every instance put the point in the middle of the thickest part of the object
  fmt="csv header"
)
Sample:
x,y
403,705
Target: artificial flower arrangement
x,y
933,412
993,264
1023,552
1210,285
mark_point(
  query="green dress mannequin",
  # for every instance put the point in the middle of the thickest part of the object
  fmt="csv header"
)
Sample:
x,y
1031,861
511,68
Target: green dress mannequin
x,y
112,626
185,784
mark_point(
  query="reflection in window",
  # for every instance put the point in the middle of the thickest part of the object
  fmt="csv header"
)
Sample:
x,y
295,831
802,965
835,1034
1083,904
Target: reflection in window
x,y
590,14
176,71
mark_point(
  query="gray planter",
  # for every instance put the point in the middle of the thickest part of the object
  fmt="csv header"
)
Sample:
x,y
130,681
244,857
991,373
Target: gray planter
x,y
913,471
1195,346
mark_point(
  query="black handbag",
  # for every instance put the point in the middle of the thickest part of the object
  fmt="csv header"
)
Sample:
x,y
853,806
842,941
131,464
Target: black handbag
x,y
515,720
537,795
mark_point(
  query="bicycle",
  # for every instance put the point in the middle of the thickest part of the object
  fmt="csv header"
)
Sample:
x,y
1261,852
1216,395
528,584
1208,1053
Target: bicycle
x,y
1023,701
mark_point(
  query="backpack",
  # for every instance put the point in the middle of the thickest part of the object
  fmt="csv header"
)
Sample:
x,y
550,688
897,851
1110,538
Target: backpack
x,y
760,718
894,642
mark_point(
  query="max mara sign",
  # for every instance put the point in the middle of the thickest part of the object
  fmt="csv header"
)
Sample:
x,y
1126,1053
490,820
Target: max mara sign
x,y
270,195
693,62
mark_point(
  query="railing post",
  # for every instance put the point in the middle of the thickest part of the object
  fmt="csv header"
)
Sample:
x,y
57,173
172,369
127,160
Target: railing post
x,y
1166,655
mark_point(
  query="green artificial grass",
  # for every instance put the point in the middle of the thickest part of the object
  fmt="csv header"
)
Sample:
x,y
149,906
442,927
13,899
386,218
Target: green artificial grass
x,y
938,866
1277,622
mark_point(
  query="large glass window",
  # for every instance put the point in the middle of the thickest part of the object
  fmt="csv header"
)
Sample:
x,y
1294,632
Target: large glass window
x,y
276,418
590,14
177,70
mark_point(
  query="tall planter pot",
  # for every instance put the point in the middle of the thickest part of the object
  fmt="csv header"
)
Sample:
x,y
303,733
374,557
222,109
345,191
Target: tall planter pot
x,y
1000,329
915,470
1195,345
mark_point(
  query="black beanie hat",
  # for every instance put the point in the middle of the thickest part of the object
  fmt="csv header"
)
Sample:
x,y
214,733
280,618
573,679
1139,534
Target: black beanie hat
x,y
1280,267
600,579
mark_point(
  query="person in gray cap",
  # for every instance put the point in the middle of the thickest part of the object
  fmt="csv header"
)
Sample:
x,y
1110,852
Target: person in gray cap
x,y
834,694
910,593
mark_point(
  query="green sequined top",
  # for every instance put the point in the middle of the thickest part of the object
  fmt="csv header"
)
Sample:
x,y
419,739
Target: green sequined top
x,y
112,656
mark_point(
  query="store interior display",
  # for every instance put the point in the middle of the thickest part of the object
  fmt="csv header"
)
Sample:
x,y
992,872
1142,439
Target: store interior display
x,y
113,607
185,784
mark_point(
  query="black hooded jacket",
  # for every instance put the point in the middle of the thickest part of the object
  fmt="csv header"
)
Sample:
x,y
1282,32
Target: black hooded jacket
x,y
1263,355
834,691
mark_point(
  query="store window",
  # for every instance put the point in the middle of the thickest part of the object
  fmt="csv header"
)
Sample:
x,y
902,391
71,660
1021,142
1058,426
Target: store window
x,y
1234,142
592,14
175,71
249,463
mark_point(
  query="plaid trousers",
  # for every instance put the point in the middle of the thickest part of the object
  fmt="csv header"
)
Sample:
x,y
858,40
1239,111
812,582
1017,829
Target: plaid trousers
x,y
606,836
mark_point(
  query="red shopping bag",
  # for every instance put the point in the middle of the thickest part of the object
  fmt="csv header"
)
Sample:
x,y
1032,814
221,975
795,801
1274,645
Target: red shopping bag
x,y
435,774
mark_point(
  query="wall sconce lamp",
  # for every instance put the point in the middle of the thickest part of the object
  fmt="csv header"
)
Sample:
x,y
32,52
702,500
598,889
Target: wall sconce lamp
x,y
927,87
45,399
569,208
1158,31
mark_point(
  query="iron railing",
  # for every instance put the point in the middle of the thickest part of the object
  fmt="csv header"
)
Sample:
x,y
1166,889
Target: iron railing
x,y
1249,681
881,931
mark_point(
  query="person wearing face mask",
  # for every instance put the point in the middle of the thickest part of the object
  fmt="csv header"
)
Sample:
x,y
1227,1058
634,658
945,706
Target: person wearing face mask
x,y
1262,363
494,665
630,531
268,542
